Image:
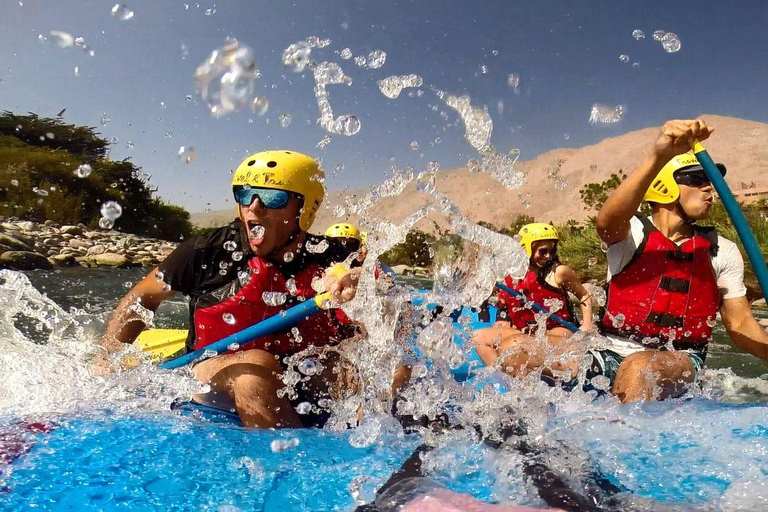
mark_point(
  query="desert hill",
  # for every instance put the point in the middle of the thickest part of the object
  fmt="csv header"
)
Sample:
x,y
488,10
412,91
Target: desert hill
x,y
554,178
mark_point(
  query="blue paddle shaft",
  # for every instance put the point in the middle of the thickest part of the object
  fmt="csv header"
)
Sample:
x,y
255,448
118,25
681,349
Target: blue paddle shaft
x,y
536,307
736,215
272,324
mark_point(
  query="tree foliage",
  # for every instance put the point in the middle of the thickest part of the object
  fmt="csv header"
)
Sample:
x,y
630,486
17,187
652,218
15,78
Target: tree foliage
x,y
38,157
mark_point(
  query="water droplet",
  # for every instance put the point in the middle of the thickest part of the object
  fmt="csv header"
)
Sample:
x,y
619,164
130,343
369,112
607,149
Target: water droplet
x,y
169,135
635,65
111,210
233,347
226,78
593,167
83,171
618,321
187,154
129,144
346,54
281,445
658,35
274,298
308,367
257,231
228,318
105,119
210,11
392,86
184,51
105,223
638,34
296,56
483,69
223,265
62,39
339,168
243,276
433,166
347,125
376,59
670,43
513,81
41,192
606,114
318,248
592,262
260,105
121,12
288,257
324,141
285,120
77,71
15,183
360,61
414,145
566,136
473,165
237,256
290,285
50,136
230,245
304,408
624,58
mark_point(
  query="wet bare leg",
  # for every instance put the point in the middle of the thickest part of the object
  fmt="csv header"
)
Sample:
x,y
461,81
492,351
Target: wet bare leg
x,y
252,379
653,375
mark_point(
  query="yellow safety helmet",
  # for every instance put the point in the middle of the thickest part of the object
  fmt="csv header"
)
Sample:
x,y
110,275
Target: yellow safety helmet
x,y
344,230
285,170
534,232
664,189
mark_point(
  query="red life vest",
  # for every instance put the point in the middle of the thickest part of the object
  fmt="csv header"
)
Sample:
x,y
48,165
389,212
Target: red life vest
x,y
666,291
239,309
535,288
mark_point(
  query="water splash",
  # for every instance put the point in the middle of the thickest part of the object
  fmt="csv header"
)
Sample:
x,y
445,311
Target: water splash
x,y
392,86
329,73
225,80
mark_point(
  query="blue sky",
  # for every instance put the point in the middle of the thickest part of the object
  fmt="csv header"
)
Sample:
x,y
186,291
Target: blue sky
x,y
566,53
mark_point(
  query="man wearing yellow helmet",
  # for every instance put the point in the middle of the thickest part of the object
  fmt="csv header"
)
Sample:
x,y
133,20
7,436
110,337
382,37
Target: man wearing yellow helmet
x,y
668,277
238,275
546,283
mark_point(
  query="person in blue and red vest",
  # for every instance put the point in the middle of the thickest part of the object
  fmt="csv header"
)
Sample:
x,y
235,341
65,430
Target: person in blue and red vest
x,y
238,275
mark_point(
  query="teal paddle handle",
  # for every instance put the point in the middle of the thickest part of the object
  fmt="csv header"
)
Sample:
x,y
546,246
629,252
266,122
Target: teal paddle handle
x,y
737,216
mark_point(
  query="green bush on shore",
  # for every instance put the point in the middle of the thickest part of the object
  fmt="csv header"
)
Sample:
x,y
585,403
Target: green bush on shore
x,y
41,154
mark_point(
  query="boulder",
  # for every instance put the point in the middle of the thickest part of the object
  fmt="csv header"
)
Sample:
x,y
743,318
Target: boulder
x,y
96,249
24,260
77,243
14,243
71,230
111,259
63,260
28,226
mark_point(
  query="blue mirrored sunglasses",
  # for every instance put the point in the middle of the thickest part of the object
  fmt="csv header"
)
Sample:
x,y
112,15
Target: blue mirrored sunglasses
x,y
269,197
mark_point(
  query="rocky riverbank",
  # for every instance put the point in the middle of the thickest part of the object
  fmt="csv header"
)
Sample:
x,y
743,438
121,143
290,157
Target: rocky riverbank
x,y
26,245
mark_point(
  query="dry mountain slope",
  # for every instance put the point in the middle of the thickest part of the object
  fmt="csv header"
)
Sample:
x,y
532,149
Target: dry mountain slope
x,y
555,178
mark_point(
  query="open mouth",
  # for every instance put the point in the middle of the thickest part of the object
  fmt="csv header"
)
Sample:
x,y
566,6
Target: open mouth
x,y
256,232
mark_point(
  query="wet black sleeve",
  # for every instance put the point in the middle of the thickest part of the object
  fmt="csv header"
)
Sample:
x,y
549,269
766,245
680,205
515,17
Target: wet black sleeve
x,y
179,267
